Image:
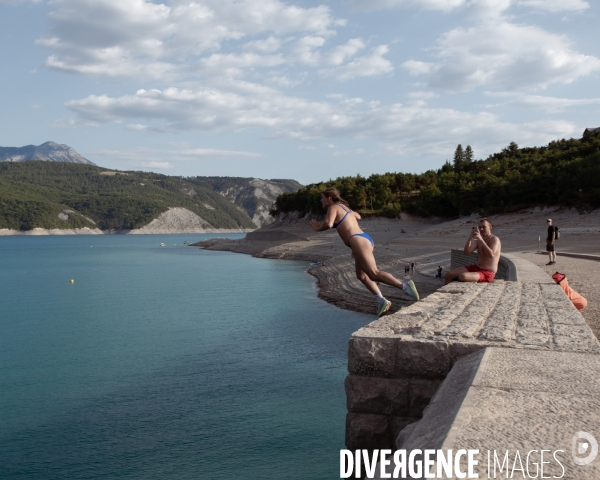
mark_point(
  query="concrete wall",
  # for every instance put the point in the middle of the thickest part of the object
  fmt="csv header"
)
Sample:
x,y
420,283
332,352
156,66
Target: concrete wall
x,y
397,363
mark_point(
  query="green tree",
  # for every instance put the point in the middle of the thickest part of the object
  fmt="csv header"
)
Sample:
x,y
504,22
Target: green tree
x,y
459,158
468,157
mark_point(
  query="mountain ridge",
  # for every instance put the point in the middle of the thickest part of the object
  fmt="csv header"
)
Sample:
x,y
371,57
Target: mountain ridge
x,y
46,152
61,195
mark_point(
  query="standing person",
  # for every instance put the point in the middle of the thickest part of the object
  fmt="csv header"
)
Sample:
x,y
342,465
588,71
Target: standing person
x,y
550,242
439,271
345,221
412,268
488,255
406,270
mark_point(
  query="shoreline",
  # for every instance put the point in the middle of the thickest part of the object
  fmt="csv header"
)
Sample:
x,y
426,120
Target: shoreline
x,y
5,232
427,243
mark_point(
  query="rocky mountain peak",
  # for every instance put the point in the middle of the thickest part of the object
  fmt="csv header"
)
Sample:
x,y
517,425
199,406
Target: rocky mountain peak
x,y
47,152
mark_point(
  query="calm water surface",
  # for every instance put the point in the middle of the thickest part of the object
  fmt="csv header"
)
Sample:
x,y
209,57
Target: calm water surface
x,y
165,363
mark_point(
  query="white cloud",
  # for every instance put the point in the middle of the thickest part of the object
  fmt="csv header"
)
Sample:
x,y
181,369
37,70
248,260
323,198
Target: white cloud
x,y
266,45
556,5
156,156
284,80
339,54
155,165
370,65
234,65
306,50
410,128
345,153
443,5
16,2
478,7
422,95
137,127
151,40
548,104
506,56
416,67
214,153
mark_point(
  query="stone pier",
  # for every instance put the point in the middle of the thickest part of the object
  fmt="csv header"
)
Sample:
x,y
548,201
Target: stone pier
x,y
397,363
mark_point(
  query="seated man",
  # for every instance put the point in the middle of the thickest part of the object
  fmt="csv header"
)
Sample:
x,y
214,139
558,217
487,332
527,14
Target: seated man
x,y
488,256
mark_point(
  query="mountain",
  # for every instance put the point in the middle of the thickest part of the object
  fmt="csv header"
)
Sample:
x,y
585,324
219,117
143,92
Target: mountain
x,y
51,195
253,195
46,152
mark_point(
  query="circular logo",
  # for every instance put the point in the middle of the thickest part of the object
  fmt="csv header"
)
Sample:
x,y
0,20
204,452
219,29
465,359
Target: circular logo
x,y
583,443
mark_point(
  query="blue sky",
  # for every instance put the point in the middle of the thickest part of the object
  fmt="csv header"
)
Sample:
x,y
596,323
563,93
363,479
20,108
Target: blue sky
x,y
295,89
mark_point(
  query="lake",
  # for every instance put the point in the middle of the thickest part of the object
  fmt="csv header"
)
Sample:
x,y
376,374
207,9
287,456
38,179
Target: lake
x,y
166,362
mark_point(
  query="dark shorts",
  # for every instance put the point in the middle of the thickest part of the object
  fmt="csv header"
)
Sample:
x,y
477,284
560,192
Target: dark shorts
x,y
549,246
485,276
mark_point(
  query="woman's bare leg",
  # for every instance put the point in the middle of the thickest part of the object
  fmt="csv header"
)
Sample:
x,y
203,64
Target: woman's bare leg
x,y
366,281
365,263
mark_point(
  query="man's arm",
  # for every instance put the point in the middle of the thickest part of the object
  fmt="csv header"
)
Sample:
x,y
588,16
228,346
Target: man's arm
x,y
470,246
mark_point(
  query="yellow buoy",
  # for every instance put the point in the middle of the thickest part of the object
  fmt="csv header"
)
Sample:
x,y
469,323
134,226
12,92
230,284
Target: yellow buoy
x,y
72,281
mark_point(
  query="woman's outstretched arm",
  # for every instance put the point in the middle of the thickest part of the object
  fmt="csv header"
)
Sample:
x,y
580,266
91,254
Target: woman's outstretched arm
x,y
325,224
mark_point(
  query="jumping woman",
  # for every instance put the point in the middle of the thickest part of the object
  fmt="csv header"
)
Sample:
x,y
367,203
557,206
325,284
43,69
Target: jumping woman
x,y
345,221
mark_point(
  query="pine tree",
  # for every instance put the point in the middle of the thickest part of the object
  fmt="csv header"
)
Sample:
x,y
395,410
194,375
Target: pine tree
x,y
468,154
459,158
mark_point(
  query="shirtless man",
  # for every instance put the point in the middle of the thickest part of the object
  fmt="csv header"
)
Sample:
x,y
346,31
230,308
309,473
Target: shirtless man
x,y
488,256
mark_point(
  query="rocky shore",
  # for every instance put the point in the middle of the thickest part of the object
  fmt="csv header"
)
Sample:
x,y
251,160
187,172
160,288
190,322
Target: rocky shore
x,y
427,243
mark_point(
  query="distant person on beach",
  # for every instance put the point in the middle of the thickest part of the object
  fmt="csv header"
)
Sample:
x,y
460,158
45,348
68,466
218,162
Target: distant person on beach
x,y
439,271
406,270
488,256
550,239
412,268
345,221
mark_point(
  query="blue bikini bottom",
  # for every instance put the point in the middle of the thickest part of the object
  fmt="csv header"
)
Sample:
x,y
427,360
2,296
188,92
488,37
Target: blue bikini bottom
x,y
365,235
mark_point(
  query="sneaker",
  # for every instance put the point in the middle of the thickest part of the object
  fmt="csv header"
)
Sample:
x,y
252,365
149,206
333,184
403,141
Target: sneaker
x,y
383,307
411,290
550,263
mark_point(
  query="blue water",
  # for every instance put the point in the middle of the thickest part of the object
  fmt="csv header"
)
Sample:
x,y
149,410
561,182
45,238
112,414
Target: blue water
x,y
165,363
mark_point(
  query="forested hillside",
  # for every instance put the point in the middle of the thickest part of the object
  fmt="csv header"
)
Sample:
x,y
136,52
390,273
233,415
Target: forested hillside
x,y
40,194
566,172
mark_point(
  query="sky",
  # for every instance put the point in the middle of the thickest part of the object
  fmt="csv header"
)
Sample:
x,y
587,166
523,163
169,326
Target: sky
x,y
295,89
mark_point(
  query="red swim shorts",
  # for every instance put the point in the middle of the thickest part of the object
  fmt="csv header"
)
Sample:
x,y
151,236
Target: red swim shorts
x,y
485,276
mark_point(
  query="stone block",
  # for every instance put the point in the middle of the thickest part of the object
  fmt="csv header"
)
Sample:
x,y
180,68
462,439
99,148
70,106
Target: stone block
x,y
368,431
462,349
420,393
423,358
402,435
575,344
377,395
372,357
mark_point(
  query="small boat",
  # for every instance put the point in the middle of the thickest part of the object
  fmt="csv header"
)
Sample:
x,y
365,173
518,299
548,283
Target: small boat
x,y
162,244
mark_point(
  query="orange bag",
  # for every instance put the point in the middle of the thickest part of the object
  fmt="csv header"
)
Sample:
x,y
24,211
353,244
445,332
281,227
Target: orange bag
x,y
578,300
